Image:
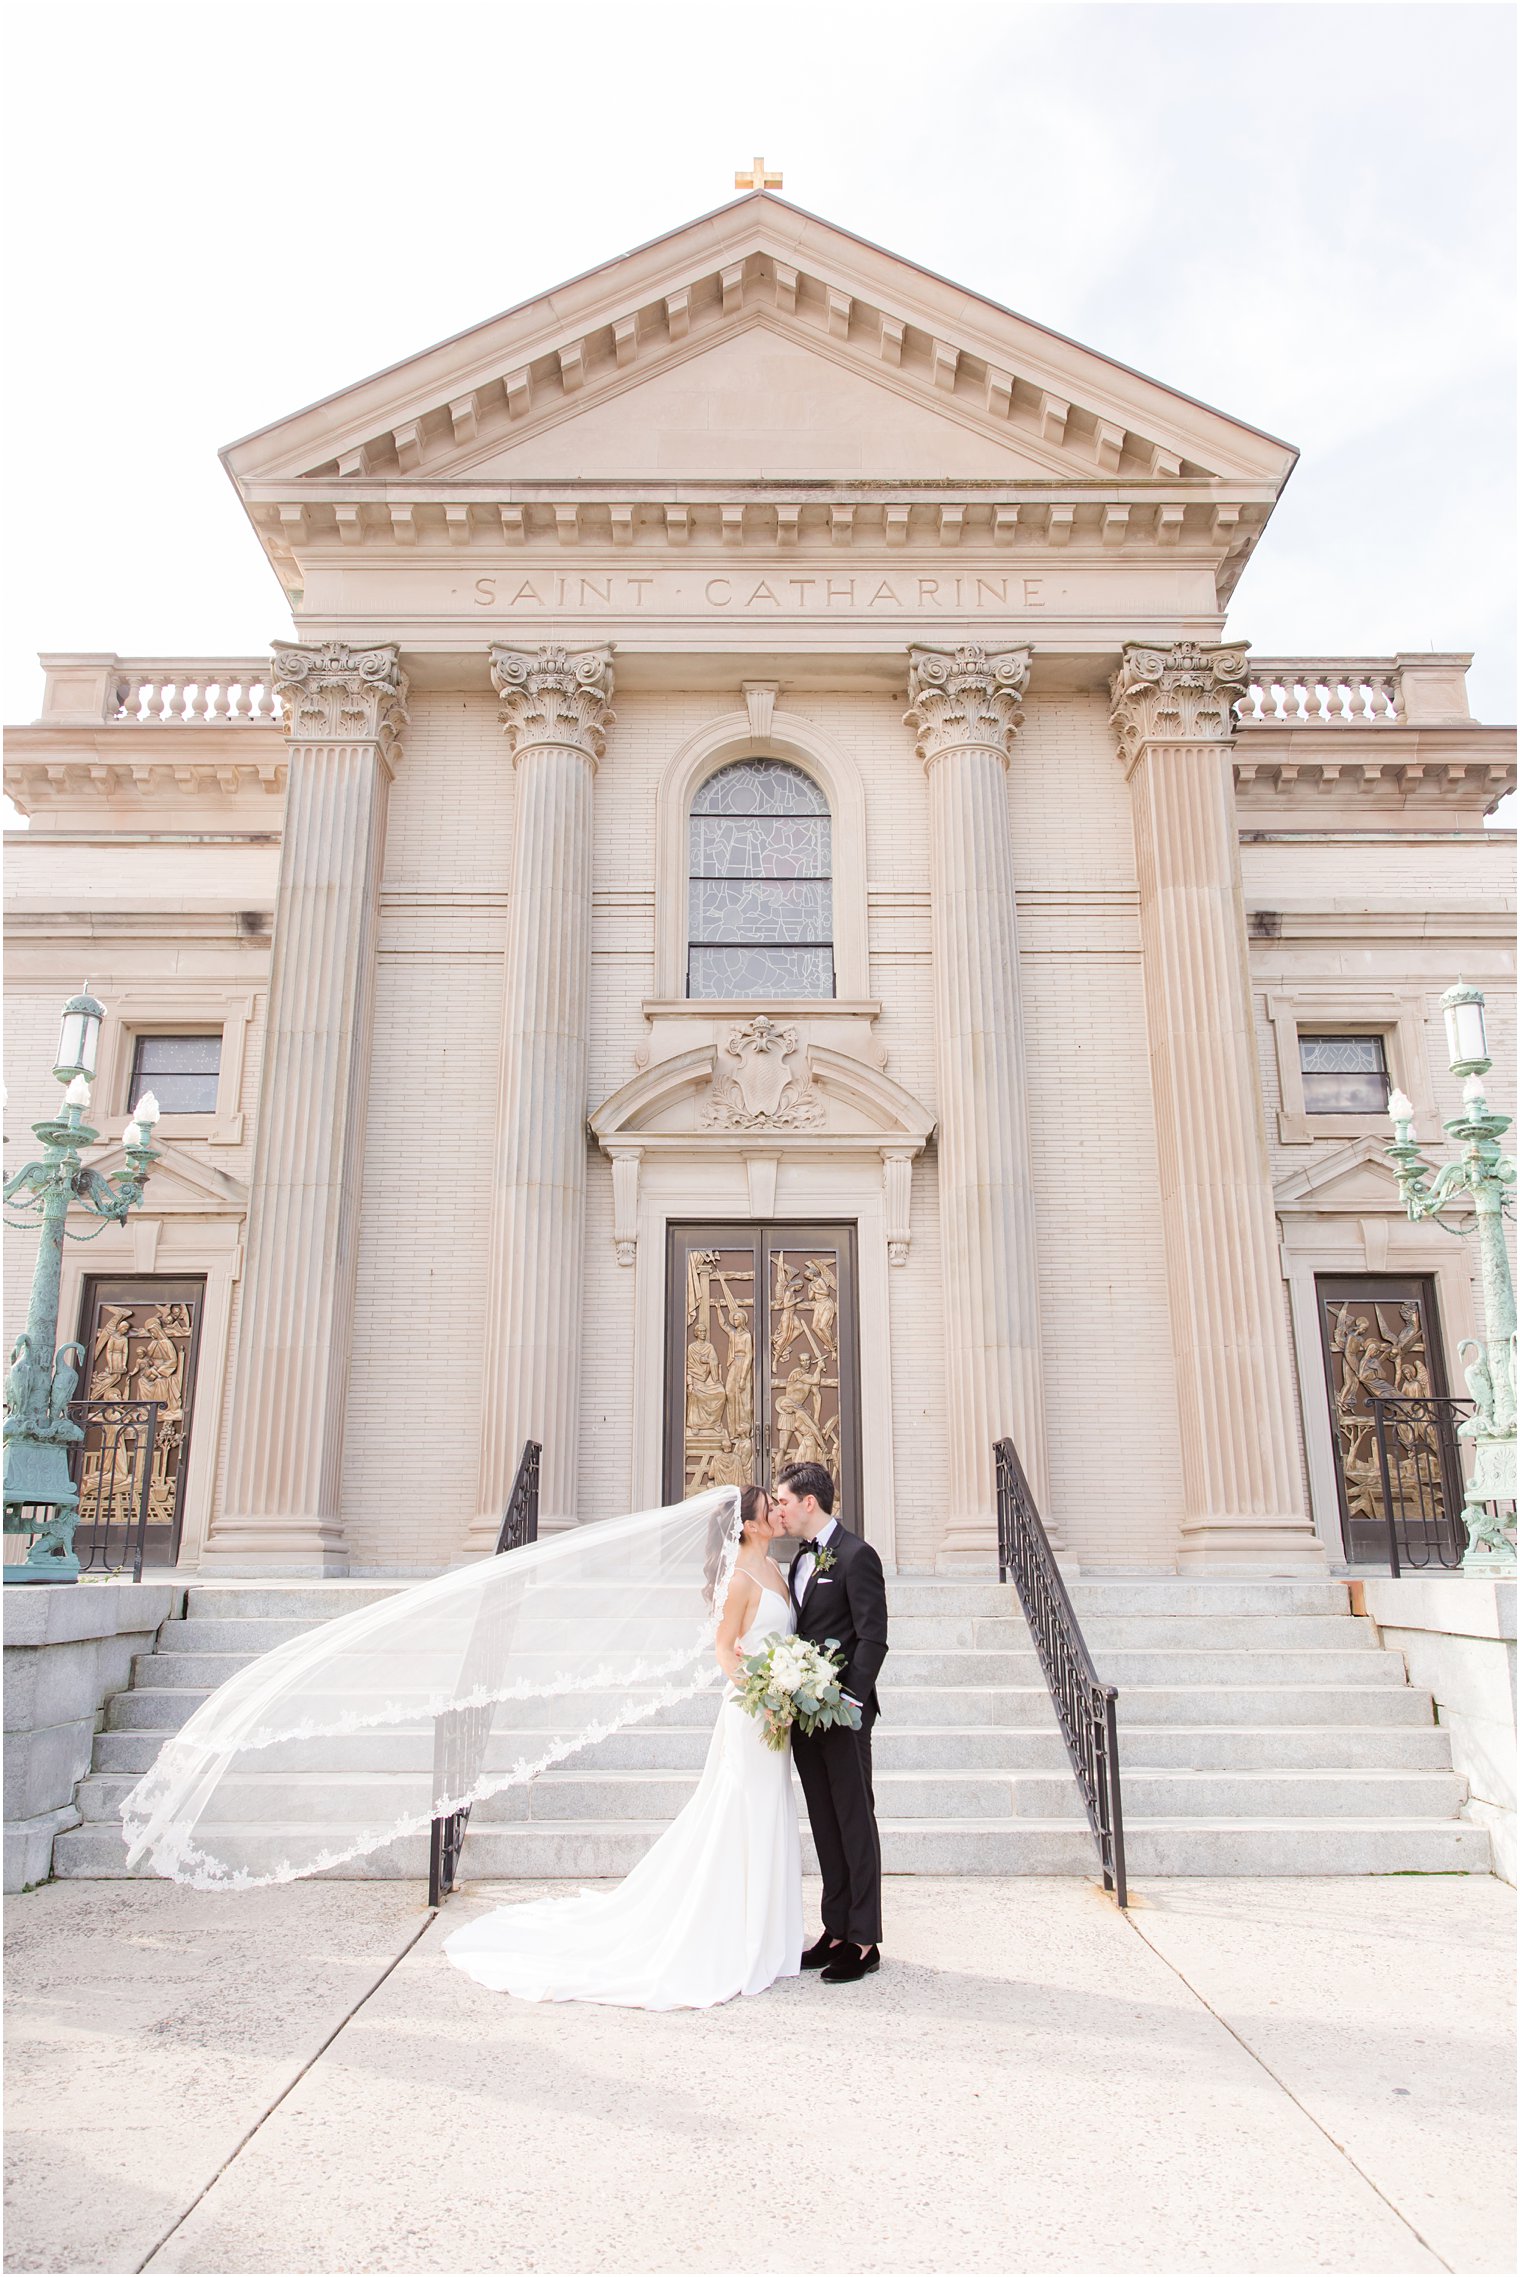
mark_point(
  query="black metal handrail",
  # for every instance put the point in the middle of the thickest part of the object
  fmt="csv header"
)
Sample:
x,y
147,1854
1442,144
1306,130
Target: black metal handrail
x,y
519,1524
111,1463
460,1735
1085,1706
1420,1471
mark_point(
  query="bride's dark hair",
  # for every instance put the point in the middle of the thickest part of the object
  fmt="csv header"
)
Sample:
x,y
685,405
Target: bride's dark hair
x,y
718,1535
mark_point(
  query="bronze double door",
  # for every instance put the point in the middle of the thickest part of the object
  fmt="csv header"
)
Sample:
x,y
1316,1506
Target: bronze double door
x,y
762,1357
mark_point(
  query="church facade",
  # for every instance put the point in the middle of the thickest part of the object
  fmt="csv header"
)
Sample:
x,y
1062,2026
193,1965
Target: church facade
x,y
762,914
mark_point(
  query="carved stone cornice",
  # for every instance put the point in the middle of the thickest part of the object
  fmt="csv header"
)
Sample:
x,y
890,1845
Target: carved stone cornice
x,y
555,695
1182,694
964,697
336,694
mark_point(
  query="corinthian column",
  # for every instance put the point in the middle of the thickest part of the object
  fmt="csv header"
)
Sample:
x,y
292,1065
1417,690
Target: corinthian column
x,y
345,710
556,709
1242,1492
965,708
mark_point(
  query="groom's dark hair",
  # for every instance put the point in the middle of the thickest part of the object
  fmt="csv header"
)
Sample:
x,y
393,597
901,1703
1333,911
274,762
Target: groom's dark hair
x,y
806,1479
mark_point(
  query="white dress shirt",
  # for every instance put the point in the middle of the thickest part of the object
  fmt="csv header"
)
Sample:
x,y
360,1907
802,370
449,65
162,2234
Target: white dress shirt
x,y
807,1562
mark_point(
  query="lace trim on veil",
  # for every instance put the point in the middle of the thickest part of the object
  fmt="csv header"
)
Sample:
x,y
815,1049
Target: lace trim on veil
x,y
691,1545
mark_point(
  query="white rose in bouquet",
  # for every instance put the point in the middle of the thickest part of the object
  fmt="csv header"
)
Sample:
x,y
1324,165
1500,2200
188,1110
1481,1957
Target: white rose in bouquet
x,y
794,1682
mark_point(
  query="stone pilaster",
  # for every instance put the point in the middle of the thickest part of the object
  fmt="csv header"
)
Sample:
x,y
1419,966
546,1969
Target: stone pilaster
x,y
280,1506
965,709
1244,1504
556,709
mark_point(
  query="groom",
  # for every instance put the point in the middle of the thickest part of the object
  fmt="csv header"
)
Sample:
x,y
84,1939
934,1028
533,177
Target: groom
x,y
840,1594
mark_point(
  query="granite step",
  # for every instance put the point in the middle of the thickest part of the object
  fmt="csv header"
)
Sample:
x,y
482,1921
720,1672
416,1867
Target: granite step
x,y
991,1747
571,1850
1355,1665
359,1799
164,1707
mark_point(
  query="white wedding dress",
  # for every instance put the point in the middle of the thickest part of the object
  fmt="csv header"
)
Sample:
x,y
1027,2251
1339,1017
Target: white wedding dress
x,y
714,1909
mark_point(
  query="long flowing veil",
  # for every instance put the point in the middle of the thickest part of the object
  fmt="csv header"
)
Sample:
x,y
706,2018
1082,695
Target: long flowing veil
x,y
358,1733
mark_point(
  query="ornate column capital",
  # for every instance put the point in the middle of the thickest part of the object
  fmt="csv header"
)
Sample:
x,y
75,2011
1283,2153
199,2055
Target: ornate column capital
x,y
1181,694
962,696
555,695
336,694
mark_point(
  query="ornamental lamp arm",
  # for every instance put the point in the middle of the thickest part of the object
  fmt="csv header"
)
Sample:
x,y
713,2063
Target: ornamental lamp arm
x,y
113,1197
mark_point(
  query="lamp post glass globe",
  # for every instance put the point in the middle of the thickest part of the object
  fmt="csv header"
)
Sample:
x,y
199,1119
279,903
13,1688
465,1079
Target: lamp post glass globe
x,y
1466,1031
79,1037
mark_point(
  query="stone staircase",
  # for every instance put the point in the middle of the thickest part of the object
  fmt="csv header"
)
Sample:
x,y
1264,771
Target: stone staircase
x,y
1261,1728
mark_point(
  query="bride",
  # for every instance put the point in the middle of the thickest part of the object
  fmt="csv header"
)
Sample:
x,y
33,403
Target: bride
x,y
715,1908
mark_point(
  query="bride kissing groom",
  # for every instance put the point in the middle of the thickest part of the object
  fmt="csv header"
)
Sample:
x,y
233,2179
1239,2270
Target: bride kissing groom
x,y
714,1908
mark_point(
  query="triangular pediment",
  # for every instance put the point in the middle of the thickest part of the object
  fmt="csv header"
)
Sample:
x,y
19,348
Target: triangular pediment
x,y
181,1184
758,343
760,403
1356,1180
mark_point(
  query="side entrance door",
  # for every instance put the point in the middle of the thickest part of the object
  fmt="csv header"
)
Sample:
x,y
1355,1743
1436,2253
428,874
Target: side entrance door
x,y
1381,1339
141,1340
762,1357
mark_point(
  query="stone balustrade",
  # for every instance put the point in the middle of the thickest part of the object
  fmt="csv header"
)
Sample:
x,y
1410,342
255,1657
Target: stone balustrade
x,y
1417,690
160,691
214,694
1413,690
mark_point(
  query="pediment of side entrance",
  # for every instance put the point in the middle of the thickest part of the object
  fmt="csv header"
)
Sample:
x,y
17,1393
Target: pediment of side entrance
x,y
1355,1180
181,1184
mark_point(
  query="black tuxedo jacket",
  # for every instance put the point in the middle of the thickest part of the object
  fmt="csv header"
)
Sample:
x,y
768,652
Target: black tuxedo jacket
x,y
849,1604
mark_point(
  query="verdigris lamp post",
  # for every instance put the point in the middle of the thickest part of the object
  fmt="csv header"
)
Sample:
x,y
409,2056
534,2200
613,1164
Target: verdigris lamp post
x,y
1488,1176
38,1427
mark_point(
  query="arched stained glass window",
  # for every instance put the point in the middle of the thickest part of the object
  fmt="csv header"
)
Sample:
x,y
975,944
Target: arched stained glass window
x,y
761,904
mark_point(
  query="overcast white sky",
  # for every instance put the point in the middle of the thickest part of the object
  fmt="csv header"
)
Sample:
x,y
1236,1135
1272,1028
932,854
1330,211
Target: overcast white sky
x,y
1299,212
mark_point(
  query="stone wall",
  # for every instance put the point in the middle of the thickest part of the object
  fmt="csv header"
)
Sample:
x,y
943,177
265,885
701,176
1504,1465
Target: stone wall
x,y
67,1650
1458,1640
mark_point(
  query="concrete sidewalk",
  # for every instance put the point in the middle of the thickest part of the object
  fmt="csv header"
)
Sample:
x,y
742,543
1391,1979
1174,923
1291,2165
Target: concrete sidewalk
x,y
1282,2076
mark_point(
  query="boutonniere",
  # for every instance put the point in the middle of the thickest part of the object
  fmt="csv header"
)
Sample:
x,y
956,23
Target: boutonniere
x,y
822,1560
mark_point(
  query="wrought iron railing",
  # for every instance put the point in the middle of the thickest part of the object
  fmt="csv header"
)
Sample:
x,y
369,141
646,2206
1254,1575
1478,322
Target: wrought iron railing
x,y
519,1526
1420,1474
111,1463
460,1735
1085,1706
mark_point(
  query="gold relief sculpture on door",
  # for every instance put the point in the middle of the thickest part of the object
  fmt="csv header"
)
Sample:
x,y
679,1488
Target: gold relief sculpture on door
x,y
140,1343
1378,1344
805,1422
719,1428
762,1366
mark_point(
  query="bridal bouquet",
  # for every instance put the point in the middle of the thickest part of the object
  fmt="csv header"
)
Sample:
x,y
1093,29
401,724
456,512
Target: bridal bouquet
x,y
794,1682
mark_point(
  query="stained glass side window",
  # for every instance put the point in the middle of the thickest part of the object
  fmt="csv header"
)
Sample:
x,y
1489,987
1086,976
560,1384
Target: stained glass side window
x,y
1343,1075
760,914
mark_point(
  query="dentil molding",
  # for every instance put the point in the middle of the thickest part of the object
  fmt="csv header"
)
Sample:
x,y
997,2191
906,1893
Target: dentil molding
x,y
336,694
963,696
554,695
1182,694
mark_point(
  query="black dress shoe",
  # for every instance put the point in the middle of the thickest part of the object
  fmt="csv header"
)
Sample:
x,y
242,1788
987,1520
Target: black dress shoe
x,y
819,1956
849,1964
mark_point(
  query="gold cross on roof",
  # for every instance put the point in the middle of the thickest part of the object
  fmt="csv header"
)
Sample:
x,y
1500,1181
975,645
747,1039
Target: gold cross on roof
x,y
757,178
